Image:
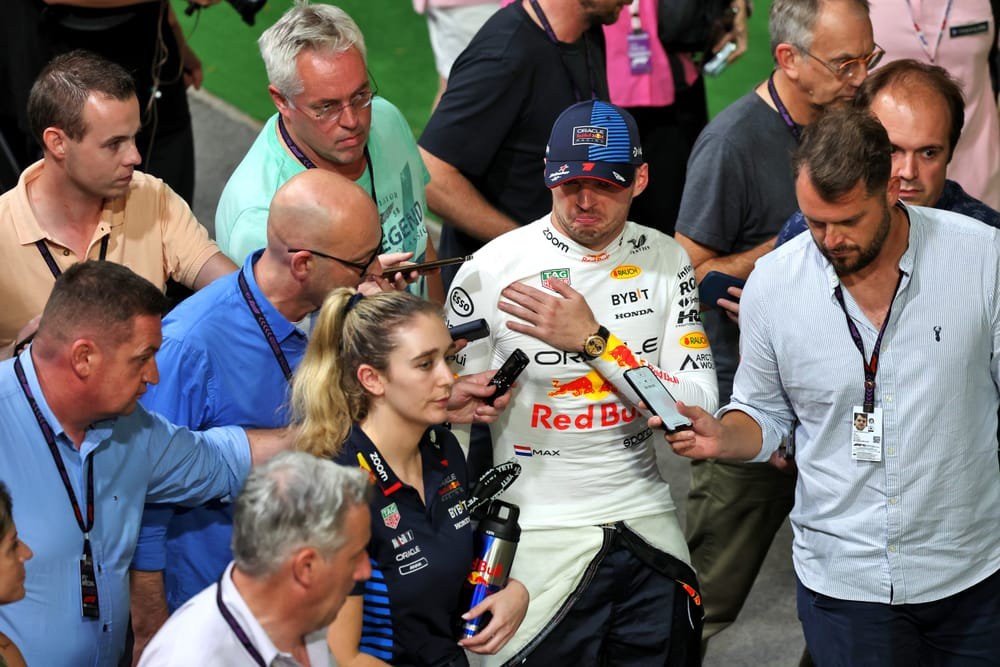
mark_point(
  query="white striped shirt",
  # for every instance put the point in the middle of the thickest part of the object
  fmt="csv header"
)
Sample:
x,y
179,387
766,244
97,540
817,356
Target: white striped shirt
x,y
924,523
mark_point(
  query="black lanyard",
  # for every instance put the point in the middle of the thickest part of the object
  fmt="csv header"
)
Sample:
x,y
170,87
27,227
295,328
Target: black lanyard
x,y
50,260
309,164
547,27
782,111
235,627
89,587
265,328
871,367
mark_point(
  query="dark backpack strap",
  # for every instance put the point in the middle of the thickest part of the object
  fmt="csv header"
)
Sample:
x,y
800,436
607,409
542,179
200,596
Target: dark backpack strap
x,y
688,612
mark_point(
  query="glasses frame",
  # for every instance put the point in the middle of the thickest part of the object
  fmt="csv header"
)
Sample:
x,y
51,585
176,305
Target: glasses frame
x,y
846,70
358,102
361,268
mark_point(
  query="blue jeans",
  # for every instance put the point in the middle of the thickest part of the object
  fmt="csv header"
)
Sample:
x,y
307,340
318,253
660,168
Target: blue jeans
x,y
960,630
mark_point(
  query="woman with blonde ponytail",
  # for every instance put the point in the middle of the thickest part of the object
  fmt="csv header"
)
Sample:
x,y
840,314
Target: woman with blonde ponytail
x,y
373,390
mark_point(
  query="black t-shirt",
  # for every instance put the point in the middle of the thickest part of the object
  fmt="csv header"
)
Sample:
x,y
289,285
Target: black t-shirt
x,y
504,93
129,35
738,194
420,554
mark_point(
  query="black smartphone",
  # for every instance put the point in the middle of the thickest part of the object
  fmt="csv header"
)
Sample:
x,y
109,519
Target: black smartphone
x,y
470,331
426,266
715,286
656,397
507,374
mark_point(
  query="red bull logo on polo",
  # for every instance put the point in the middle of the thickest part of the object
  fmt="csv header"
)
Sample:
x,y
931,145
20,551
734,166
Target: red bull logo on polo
x,y
592,386
623,356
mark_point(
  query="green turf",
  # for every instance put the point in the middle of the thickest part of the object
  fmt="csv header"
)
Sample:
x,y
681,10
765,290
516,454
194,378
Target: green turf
x,y
399,55
752,68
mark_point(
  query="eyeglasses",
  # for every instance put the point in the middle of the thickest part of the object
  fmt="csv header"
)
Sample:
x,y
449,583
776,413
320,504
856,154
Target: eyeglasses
x,y
331,113
361,268
848,69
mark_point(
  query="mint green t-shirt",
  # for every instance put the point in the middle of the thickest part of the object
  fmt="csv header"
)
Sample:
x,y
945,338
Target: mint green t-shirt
x,y
400,177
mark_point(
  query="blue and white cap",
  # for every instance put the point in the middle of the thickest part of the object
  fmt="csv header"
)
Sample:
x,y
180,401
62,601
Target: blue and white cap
x,y
593,139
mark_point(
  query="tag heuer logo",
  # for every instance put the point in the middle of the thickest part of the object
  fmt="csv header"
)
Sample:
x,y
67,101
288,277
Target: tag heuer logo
x,y
390,515
552,275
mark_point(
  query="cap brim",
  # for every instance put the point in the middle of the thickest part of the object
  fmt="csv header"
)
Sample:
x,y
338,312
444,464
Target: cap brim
x,y
620,175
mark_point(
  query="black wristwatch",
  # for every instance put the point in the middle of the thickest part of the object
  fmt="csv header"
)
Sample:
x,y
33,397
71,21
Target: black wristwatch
x,y
596,343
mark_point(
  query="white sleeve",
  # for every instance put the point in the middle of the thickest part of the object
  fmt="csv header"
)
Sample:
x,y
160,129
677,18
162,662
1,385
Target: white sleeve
x,y
688,369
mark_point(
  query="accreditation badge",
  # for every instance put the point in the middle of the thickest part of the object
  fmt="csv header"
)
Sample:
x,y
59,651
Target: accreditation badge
x,y
639,53
866,434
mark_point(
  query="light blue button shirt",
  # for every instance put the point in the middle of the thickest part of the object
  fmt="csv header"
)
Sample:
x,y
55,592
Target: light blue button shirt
x,y
921,524
136,457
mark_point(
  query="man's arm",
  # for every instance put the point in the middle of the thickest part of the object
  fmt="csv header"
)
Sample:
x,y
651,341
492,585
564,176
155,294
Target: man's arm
x,y
218,265
705,259
190,256
451,196
565,320
735,436
149,607
265,443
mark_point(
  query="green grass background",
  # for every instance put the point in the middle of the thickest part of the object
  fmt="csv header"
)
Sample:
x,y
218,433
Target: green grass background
x,y
399,55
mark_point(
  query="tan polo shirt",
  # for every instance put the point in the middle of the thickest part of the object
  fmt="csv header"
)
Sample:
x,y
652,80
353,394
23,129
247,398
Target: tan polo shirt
x,y
150,230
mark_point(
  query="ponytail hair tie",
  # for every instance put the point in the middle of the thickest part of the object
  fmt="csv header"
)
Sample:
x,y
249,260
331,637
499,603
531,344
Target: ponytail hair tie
x,y
353,301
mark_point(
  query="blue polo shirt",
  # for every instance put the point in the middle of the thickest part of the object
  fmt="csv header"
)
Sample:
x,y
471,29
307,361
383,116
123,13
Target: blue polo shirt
x,y
216,368
421,554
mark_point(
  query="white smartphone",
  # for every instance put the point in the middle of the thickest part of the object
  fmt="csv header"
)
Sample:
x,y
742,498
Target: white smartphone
x,y
656,397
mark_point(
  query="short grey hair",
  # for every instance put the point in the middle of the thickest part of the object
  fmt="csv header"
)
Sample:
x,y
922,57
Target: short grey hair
x,y
293,501
792,21
319,27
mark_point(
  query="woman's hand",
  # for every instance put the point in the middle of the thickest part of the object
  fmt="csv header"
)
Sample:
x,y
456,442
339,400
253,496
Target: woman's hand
x,y
508,608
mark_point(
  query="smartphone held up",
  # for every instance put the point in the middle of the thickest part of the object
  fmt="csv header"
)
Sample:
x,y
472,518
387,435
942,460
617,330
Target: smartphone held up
x,y
424,267
657,398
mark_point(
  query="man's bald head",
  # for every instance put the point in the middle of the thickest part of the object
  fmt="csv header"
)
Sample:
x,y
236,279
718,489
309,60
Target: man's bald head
x,y
321,210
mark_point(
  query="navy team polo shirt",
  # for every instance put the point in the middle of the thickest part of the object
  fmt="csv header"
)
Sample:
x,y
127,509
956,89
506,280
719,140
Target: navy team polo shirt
x,y
420,554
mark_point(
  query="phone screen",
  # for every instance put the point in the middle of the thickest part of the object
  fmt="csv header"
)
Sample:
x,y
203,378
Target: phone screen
x,y
656,397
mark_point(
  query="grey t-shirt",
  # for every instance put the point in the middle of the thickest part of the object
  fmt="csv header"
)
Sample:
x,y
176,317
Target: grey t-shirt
x,y
738,194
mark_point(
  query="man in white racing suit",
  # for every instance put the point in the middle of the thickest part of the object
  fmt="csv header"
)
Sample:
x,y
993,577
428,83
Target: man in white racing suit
x,y
587,295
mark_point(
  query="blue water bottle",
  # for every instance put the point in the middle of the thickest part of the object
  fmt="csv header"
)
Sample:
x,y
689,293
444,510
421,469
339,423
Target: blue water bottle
x,y
496,540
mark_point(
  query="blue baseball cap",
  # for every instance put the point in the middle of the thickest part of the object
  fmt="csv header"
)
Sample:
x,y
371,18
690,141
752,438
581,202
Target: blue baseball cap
x,y
593,139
